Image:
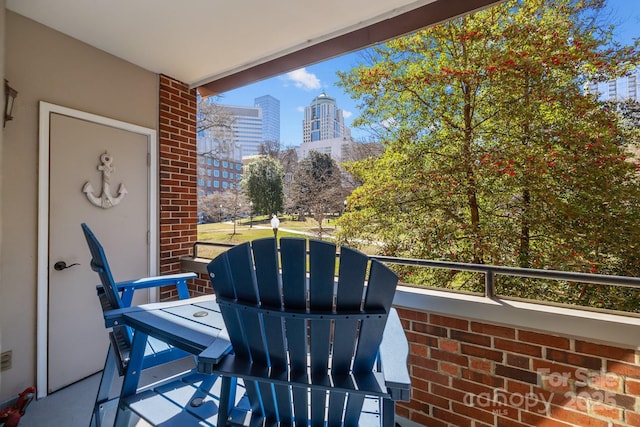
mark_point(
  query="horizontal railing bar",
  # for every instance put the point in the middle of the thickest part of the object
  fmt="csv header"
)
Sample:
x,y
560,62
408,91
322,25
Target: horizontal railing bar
x,y
598,279
491,270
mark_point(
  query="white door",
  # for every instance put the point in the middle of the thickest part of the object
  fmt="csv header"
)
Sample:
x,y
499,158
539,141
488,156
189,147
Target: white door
x,y
83,156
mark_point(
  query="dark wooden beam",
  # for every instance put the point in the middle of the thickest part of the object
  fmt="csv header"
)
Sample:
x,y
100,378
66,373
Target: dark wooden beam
x,y
408,22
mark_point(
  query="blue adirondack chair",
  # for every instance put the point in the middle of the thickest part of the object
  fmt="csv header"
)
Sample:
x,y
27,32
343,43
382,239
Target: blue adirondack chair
x,y
115,296
310,350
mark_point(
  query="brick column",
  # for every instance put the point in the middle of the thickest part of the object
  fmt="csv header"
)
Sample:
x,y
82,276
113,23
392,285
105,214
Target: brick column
x,y
178,195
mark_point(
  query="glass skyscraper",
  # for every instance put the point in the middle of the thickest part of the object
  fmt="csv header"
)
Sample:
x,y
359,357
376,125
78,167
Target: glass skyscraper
x,y
323,120
270,117
247,128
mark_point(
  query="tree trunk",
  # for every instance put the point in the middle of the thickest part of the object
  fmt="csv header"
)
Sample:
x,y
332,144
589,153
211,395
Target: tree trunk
x,y
472,199
524,260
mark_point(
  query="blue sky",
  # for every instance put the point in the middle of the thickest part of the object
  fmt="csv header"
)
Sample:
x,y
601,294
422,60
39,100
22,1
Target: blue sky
x,y
297,89
625,15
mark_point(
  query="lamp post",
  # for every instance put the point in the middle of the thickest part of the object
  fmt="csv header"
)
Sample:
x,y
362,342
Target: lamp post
x,y
250,214
235,216
220,217
275,223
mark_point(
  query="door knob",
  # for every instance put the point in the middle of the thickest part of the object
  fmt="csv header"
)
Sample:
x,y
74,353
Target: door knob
x,y
61,265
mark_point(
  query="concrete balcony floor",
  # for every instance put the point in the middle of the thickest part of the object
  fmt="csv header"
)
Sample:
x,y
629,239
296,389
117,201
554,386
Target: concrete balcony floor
x,y
70,407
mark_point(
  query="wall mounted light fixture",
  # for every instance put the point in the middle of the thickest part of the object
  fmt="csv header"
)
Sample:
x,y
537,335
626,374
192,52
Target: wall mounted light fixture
x,y
10,95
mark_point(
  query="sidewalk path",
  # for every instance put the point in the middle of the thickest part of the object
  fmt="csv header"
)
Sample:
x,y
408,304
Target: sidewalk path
x,y
294,231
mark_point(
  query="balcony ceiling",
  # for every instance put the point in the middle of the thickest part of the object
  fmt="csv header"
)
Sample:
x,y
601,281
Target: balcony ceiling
x,y
204,41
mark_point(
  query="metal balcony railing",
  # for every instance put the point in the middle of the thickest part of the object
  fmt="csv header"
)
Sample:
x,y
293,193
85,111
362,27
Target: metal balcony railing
x,y
490,272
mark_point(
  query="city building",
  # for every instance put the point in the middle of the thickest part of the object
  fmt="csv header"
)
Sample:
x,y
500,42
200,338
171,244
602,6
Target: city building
x,y
337,148
219,165
620,89
270,117
220,150
323,120
247,128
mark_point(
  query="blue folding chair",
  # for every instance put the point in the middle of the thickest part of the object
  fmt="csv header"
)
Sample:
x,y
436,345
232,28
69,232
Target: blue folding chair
x,y
115,296
311,349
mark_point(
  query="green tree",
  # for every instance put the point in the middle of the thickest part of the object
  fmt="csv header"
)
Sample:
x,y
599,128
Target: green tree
x,y
630,112
317,188
262,184
494,154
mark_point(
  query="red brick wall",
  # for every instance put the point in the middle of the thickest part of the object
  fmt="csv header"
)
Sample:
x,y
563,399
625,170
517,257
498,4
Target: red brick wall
x,y
178,196
467,373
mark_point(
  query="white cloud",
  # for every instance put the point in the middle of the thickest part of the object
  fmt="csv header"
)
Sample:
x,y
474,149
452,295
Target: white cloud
x,y
300,109
346,114
304,80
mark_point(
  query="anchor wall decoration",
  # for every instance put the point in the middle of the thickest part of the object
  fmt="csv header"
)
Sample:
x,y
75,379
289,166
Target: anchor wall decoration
x,y
105,200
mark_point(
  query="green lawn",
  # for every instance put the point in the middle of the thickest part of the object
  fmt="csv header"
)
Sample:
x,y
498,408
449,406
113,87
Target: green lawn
x,y
223,232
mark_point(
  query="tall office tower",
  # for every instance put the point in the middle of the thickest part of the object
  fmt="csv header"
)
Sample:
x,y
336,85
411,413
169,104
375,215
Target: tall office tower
x,y
247,128
323,120
220,150
270,117
243,126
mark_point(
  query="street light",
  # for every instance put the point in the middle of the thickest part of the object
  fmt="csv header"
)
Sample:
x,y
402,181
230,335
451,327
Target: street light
x,y
220,217
235,216
275,223
251,215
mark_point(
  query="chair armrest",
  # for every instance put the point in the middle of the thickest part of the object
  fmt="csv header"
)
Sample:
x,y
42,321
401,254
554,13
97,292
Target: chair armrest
x,y
130,286
394,350
150,282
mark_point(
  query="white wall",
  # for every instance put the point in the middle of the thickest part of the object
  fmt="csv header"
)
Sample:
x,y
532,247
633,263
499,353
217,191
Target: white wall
x,y
42,64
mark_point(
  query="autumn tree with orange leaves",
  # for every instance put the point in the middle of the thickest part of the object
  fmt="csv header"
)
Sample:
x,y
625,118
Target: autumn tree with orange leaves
x,y
495,154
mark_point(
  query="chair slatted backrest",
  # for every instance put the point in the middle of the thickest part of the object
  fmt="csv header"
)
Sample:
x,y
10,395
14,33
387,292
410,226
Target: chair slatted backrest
x,y
100,265
303,323
110,298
